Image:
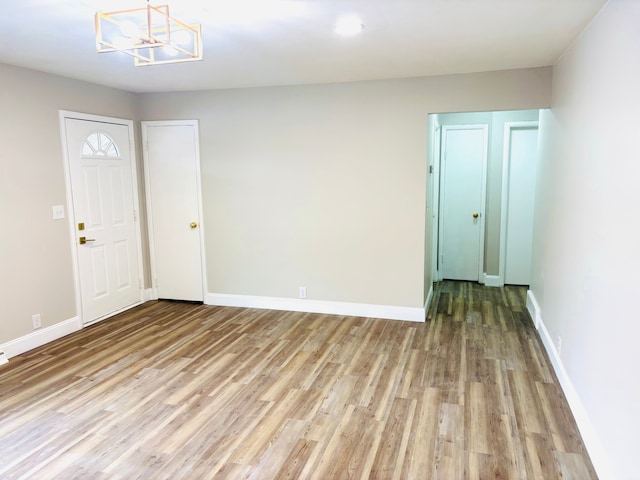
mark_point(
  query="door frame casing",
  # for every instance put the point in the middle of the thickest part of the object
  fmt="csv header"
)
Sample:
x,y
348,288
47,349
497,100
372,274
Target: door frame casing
x,y
483,193
62,116
149,204
435,201
506,172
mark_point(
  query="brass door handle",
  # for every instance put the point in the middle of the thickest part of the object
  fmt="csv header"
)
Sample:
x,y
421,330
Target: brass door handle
x,y
193,225
476,215
84,240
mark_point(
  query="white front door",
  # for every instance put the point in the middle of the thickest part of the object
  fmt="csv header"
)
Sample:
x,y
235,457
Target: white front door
x,y
520,163
462,193
104,214
172,173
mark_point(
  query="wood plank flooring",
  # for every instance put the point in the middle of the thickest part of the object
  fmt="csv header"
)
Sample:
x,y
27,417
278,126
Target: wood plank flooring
x,y
181,391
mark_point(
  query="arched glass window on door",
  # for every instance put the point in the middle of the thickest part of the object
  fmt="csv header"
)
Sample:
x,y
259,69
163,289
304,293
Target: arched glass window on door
x,y
99,144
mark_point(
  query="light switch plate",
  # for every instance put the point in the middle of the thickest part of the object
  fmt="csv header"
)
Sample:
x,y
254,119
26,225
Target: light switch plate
x,y
58,212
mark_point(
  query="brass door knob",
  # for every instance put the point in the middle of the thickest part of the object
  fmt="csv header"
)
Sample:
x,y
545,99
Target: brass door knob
x,y
84,240
476,215
193,225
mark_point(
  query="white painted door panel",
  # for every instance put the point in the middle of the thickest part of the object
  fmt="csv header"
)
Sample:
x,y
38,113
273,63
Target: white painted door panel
x,y
173,182
100,169
462,199
522,153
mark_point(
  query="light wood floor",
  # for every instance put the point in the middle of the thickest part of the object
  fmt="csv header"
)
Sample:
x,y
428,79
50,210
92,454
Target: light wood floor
x,y
181,391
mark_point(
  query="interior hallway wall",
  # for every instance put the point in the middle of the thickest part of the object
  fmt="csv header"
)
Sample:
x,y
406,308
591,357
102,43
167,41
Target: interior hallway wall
x,y
430,247
587,234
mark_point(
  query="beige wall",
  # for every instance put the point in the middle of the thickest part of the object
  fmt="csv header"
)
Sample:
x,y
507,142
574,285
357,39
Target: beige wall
x,y
35,251
587,233
324,186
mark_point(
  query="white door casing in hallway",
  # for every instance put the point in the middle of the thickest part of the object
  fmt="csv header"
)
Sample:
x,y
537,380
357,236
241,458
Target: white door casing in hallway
x,y
102,189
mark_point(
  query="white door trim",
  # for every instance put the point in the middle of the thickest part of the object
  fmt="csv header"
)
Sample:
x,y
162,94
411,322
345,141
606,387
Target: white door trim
x,y
147,185
506,158
483,191
435,200
62,115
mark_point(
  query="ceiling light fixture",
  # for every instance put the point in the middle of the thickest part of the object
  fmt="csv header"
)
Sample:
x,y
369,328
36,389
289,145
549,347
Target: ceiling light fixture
x,y
150,35
349,25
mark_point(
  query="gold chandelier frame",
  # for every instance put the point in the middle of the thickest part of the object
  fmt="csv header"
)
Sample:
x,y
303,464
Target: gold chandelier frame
x,y
148,34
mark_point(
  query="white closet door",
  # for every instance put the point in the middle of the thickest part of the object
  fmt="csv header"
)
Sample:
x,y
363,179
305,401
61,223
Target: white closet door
x,y
462,196
172,172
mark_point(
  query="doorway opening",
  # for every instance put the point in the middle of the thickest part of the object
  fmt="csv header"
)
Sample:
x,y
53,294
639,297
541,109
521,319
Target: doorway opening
x,y
480,196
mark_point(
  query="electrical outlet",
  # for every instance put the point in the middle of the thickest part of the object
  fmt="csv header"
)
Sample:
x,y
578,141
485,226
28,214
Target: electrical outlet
x,y
559,344
37,321
303,292
58,212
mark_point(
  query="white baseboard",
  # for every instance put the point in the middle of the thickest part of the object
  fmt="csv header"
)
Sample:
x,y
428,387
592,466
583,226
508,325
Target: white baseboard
x,y
427,302
148,294
493,281
592,442
533,308
41,336
389,312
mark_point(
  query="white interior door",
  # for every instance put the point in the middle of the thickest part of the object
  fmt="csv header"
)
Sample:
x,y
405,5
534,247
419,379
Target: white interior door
x,y
462,198
172,172
520,157
102,183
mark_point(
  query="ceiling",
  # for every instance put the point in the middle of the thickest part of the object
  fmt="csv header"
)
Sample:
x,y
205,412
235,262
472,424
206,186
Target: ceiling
x,y
286,42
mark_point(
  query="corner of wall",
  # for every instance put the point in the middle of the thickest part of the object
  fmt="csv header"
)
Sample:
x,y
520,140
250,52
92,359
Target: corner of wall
x,y
590,438
427,302
40,337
